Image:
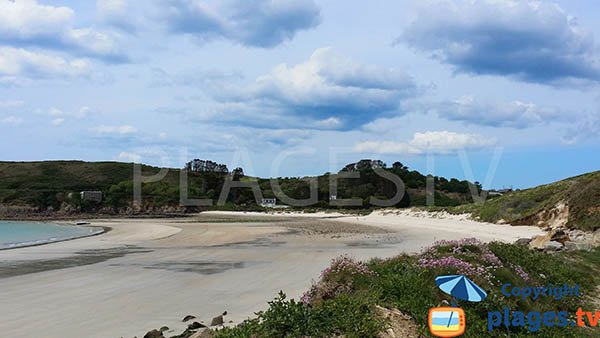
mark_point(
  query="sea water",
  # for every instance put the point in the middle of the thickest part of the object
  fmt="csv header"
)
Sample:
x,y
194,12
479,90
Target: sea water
x,y
18,234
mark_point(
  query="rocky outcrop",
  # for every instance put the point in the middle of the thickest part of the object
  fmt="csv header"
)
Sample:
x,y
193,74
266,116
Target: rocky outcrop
x,y
218,320
564,239
188,318
196,326
154,334
555,217
400,325
553,246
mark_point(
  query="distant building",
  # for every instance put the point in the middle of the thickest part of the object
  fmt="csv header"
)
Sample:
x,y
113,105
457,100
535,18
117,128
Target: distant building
x,y
91,196
268,202
332,197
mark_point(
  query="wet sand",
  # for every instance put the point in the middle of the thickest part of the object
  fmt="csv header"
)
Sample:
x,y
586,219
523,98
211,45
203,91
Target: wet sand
x,y
144,274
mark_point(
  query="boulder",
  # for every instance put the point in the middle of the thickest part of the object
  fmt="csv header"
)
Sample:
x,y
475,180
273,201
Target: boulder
x,y
203,334
188,318
553,246
559,236
523,241
577,246
154,334
596,238
218,320
539,242
195,326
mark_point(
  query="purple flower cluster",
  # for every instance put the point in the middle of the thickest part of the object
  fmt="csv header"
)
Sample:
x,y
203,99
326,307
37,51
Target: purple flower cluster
x,y
346,264
453,262
519,270
458,254
336,279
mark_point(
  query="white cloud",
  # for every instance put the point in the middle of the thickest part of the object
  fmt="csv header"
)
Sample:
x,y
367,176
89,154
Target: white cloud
x,y
515,114
12,120
10,104
328,89
19,65
257,23
118,13
26,19
115,130
129,157
585,128
533,41
94,43
329,123
30,23
58,121
436,142
55,112
79,113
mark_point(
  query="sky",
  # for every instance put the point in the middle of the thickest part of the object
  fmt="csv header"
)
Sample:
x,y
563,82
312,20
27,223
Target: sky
x,y
501,92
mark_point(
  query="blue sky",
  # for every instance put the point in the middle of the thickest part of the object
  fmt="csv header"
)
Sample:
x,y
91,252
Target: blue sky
x,y
291,88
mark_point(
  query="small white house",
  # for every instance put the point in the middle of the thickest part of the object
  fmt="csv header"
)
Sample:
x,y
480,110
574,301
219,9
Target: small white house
x,y
332,197
91,196
268,202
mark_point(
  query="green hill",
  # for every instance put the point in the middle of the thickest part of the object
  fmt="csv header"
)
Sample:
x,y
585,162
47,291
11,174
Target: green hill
x,y
573,202
55,185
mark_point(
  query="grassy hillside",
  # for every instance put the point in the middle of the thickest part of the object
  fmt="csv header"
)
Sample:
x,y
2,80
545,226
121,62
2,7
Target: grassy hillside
x,y
537,205
49,183
52,185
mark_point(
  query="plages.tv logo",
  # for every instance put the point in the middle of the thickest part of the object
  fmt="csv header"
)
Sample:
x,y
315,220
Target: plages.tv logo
x,y
451,321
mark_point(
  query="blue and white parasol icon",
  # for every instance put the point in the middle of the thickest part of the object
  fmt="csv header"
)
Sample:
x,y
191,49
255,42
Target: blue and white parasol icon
x,y
461,287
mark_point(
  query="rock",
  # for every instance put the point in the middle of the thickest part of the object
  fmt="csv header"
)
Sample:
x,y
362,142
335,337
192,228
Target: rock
x,y
164,328
596,238
577,246
553,246
559,236
538,242
188,318
225,313
218,320
523,241
154,334
203,334
195,326
399,324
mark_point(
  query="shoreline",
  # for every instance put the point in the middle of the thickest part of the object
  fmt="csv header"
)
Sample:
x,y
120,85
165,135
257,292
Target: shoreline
x,y
102,230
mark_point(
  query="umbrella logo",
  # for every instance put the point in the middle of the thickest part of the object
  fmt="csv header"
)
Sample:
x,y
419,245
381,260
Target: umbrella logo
x,y
451,321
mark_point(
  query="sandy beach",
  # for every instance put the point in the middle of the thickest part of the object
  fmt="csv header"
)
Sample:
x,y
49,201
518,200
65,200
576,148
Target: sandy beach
x,y
147,273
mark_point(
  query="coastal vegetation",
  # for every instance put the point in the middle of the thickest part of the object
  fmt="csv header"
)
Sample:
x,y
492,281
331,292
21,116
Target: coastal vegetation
x,y
347,298
576,200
